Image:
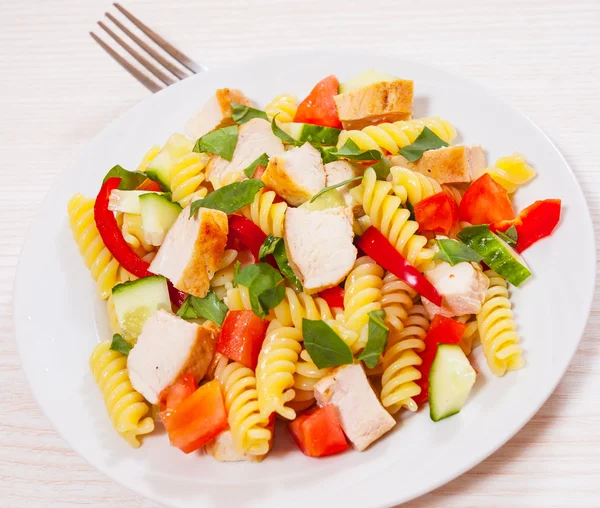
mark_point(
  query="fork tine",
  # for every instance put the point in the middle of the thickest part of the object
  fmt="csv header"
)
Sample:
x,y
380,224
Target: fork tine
x,y
167,80
136,73
161,59
175,53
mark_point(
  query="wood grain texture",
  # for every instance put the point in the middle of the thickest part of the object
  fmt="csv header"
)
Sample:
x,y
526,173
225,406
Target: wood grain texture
x,y
58,89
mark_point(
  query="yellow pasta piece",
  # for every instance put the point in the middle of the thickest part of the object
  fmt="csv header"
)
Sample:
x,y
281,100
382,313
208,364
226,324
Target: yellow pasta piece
x,y
268,216
511,171
283,106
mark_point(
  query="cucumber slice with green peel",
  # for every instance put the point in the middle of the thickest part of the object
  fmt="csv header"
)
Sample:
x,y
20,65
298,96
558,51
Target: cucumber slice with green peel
x,y
159,168
365,79
126,201
308,133
137,300
496,253
158,215
450,381
330,199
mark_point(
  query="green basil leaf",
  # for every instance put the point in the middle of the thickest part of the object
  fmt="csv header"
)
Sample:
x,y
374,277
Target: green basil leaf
x,y
427,140
411,208
335,186
382,168
268,246
220,142
326,153
263,160
378,337
242,114
130,180
120,345
231,198
209,307
325,347
283,263
351,151
510,236
281,134
455,252
264,287
236,269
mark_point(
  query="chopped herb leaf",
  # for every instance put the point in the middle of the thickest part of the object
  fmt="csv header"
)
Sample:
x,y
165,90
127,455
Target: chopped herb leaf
x,y
378,337
335,186
281,134
231,198
264,285
455,252
220,142
242,114
427,140
130,180
263,160
209,307
325,347
120,345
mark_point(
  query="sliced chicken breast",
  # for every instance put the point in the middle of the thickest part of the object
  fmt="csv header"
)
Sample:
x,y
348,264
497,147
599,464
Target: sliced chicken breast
x,y
216,113
386,101
167,348
319,246
192,250
362,417
223,449
462,287
255,138
452,164
296,175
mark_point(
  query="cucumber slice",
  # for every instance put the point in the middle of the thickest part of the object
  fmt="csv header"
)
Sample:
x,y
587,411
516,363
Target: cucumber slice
x,y
330,199
496,253
306,132
126,201
137,300
158,215
365,79
159,168
450,381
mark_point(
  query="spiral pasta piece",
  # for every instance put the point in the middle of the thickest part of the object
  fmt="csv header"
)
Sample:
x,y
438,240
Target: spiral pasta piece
x,y
396,300
411,186
238,298
391,137
133,233
297,306
148,158
126,407
97,258
222,280
362,295
187,178
283,106
497,329
266,214
470,335
386,214
511,171
276,368
113,321
248,427
400,362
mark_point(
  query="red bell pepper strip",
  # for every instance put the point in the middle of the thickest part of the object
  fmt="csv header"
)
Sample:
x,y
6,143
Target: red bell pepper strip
x,y
198,418
247,233
377,246
319,107
242,336
485,202
111,234
333,296
318,433
537,221
438,213
442,330
149,185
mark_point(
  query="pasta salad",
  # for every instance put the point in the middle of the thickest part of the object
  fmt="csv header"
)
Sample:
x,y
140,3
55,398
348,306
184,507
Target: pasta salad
x,y
330,262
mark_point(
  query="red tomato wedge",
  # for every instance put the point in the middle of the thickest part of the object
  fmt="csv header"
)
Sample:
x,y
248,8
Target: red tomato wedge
x,y
443,330
438,213
259,172
318,433
149,185
333,296
241,338
198,419
319,107
537,221
485,202
173,395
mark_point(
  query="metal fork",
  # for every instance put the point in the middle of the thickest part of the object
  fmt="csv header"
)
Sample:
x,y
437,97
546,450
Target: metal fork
x,y
161,63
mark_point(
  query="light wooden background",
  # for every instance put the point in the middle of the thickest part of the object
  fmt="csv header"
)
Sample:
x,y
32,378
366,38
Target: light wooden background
x,y
58,89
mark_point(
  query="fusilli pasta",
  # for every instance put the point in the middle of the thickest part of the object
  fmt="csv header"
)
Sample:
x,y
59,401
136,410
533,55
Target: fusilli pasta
x,y
297,305
133,233
238,298
113,321
497,330
248,426
268,216
187,178
511,171
126,407
148,158
284,106
411,186
222,281
391,137
101,263
400,362
387,216
470,335
276,368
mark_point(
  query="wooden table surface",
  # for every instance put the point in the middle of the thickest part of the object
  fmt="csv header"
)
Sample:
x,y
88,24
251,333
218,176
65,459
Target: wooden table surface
x,y
58,89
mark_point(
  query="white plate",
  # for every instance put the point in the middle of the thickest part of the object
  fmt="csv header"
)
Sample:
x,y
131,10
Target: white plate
x,y
59,319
